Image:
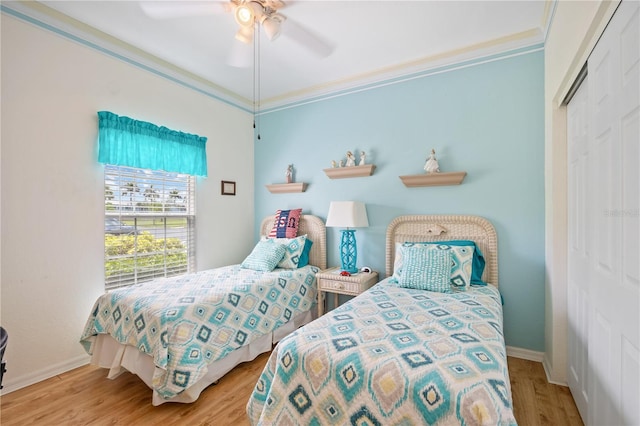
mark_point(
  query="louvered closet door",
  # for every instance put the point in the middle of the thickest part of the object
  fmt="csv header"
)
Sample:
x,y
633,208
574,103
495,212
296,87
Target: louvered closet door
x,y
612,207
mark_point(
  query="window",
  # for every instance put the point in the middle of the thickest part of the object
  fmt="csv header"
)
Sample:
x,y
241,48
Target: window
x,y
149,228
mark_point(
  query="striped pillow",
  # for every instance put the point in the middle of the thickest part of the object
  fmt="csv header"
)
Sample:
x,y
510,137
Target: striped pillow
x,y
286,224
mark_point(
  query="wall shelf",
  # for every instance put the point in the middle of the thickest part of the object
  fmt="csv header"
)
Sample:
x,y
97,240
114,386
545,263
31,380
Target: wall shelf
x,y
281,188
350,171
433,179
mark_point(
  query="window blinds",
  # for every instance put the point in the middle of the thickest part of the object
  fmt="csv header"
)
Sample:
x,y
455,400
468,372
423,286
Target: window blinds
x,y
149,225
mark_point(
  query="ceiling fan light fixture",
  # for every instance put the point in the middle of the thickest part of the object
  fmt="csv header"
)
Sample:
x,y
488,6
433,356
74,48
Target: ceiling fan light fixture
x,y
244,15
245,34
272,25
247,13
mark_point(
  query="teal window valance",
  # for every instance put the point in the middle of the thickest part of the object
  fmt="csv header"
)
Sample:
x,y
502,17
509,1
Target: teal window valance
x,y
127,142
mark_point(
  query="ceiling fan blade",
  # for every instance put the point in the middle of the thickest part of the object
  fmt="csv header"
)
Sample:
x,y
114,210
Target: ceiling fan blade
x,y
307,39
241,55
182,9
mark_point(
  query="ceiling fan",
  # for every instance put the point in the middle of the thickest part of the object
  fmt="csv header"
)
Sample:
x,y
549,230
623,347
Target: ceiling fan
x,y
264,12
249,15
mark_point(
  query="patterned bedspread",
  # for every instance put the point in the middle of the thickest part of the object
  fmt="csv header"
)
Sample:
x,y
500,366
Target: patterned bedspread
x,y
189,321
392,356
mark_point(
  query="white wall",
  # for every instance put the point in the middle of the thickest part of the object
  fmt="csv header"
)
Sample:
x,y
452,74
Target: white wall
x,y
575,29
52,186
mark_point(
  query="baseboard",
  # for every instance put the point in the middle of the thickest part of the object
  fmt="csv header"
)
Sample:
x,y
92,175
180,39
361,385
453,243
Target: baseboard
x,y
29,379
547,372
54,370
525,354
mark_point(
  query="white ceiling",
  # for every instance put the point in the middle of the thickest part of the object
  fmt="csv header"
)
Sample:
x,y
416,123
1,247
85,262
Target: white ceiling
x,y
372,41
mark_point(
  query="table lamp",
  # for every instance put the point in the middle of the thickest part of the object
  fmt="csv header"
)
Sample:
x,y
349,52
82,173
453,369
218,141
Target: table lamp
x,y
348,214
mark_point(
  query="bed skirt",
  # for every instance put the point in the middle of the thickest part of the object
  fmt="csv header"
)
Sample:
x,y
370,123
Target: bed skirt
x,y
109,353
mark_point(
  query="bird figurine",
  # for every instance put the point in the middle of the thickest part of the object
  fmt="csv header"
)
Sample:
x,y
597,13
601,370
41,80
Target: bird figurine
x,y
431,166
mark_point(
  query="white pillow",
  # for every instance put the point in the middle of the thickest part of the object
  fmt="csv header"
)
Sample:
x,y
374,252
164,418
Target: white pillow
x,y
293,250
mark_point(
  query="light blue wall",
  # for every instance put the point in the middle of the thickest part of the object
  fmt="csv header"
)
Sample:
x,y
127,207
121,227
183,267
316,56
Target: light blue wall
x,y
486,119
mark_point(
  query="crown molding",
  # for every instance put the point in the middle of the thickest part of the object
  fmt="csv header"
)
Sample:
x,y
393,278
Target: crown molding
x,y
502,48
50,19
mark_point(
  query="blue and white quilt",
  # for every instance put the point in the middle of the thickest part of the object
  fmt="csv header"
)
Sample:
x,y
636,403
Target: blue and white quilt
x,y
189,321
392,356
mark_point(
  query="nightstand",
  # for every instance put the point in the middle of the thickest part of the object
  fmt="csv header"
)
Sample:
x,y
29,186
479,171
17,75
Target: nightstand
x,y
331,281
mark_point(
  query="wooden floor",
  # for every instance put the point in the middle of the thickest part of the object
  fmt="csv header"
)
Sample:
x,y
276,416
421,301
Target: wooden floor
x,y
536,401
85,396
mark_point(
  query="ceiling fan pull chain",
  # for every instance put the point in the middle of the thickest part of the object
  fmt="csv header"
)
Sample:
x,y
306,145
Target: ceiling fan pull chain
x,y
256,67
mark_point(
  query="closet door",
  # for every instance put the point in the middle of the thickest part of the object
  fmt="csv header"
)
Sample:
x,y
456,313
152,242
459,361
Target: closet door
x,y
578,256
604,232
614,342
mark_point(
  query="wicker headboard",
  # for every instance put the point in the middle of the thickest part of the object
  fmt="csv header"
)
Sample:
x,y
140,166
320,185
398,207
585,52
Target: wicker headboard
x,y
314,227
440,228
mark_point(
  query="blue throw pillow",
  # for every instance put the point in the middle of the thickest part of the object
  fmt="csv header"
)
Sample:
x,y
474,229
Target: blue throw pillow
x,y
426,269
264,256
477,265
461,262
304,258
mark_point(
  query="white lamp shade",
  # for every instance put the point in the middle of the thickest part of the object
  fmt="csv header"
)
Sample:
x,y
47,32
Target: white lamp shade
x,y
347,214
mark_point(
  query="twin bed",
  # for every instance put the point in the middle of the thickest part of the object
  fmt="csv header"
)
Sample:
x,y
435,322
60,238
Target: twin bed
x,y
181,334
396,354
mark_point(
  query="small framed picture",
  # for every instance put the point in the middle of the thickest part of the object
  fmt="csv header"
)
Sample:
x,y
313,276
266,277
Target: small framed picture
x,y
227,187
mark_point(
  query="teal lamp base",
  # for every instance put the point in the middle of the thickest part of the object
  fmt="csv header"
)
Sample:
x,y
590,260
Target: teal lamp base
x,y
348,251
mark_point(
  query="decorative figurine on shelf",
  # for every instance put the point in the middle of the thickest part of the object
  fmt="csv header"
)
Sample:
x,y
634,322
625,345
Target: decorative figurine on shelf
x,y
341,164
289,173
431,166
362,156
351,159
333,164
